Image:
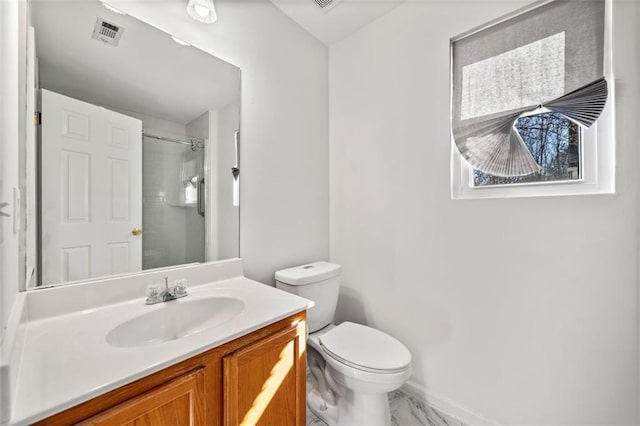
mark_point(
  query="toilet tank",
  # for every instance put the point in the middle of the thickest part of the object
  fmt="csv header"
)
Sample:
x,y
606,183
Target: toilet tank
x,y
318,281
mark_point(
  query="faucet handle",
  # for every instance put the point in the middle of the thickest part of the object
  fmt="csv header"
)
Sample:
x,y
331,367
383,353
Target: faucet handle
x,y
181,286
152,291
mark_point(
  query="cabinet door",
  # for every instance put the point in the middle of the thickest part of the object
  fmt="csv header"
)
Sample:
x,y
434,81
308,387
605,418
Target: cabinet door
x,y
264,383
177,402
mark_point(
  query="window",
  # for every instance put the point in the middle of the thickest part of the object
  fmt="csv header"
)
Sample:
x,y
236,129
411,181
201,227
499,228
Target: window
x,y
532,103
553,141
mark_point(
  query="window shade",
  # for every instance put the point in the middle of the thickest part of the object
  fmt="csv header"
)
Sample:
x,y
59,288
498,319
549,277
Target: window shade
x,y
549,57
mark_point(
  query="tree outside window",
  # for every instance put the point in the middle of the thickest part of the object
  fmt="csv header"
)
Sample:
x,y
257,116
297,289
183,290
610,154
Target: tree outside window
x,y
554,142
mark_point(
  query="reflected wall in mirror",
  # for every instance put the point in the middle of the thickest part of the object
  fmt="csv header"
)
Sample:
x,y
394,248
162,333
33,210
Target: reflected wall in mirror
x,y
133,161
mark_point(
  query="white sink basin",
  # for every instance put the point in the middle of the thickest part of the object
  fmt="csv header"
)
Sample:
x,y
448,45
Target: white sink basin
x,y
174,320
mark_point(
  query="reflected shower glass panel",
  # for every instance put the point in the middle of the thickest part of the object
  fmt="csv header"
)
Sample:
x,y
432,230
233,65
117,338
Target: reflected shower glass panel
x,y
174,222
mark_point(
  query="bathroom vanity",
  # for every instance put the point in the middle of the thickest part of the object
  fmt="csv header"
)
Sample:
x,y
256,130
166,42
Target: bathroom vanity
x,y
233,351
255,379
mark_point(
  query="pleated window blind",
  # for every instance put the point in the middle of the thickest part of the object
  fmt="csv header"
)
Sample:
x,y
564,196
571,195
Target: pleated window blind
x,y
550,58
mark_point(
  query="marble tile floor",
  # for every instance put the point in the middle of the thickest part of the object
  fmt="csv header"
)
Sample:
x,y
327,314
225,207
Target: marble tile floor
x,y
405,411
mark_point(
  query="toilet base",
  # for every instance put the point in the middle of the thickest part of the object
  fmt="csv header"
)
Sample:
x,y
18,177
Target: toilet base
x,y
353,409
326,412
359,408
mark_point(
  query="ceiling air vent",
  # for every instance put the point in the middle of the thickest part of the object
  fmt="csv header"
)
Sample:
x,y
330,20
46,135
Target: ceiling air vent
x,y
107,32
327,5
323,3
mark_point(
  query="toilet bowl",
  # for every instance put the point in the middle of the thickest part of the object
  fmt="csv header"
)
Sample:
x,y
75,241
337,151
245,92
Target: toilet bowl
x,y
354,366
358,378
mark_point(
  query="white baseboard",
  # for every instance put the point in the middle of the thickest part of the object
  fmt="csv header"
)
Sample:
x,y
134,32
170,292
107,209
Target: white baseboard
x,y
446,406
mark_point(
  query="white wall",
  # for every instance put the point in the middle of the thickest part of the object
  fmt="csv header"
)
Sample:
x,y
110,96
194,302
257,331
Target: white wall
x,y
522,310
9,156
285,183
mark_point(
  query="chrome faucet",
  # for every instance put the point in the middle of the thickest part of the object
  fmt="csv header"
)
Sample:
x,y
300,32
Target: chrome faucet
x,y
168,293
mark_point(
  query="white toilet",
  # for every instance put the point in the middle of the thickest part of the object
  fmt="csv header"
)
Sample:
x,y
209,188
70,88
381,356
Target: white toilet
x,y
354,366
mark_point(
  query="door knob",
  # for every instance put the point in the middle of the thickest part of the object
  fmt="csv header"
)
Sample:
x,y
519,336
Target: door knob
x,y
136,231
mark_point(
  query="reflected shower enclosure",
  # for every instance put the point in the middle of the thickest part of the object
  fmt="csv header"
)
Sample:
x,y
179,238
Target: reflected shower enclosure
x,y
173,212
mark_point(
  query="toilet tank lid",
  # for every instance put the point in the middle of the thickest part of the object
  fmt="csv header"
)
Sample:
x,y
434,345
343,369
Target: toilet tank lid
x,y
308,273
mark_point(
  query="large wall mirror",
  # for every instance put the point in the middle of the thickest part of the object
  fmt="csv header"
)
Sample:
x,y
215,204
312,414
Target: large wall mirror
x,y
133,162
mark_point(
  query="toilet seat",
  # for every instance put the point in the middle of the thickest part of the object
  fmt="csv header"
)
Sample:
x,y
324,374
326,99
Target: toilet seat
x,y
365,348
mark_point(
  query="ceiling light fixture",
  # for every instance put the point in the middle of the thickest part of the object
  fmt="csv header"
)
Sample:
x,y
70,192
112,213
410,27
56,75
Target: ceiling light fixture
x,y
112,9
202,11
179,41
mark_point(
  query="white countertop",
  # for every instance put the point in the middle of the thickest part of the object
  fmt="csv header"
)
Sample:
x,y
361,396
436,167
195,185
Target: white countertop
x,y
66,359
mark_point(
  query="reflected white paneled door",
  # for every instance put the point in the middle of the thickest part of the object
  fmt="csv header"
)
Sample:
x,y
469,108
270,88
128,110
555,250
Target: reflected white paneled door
x,y
91,190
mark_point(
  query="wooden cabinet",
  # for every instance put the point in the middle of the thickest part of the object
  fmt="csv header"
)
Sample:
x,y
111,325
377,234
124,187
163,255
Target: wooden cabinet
x,y
257,379
263,382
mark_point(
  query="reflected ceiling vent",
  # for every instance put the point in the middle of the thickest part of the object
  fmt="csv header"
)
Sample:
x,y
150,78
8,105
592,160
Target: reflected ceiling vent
x,y
327,5
323,3
107,32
